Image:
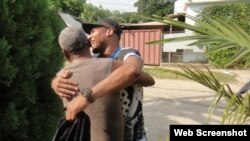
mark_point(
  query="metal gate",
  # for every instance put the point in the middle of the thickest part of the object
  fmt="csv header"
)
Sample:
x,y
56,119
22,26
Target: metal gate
x,y
151,53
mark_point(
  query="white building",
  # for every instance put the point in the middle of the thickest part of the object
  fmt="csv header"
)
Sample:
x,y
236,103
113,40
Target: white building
x,y
180,51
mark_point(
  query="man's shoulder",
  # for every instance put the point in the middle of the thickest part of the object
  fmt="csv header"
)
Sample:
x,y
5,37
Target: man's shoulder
x,y
102,59
125,52
87,62
130,50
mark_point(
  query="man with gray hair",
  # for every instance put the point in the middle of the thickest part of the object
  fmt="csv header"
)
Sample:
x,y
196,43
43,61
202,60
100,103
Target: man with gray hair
x,y
106,121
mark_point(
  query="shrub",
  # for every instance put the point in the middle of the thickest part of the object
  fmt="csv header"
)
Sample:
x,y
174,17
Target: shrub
x,y
29,59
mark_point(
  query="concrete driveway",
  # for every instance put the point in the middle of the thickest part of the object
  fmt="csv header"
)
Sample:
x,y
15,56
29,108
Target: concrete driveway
x,y
178,102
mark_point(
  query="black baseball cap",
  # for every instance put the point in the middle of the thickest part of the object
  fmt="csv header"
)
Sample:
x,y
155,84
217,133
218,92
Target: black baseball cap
x,y
103,23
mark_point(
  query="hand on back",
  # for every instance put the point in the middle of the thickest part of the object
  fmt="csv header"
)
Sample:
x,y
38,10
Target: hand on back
x,y
64,87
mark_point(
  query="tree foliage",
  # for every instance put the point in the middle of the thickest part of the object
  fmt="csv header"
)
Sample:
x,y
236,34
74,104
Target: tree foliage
x,y
92,13
125,17
73,7
30,57
155,7
238,13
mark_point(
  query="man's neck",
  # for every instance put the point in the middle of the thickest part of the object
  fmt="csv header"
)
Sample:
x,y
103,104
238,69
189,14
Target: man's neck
x,y
110,50
78,58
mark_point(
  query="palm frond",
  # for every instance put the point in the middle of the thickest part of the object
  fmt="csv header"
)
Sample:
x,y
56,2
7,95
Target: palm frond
x,y
214,104
222,47
206,41
237,109
184,38
239,54
169,21
216,30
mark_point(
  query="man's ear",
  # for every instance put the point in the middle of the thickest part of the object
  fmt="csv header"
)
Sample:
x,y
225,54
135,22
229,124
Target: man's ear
x,y
109,32
66,55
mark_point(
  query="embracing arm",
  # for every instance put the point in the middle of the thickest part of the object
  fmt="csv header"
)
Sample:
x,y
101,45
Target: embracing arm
x,y
120,78
145,79
63,86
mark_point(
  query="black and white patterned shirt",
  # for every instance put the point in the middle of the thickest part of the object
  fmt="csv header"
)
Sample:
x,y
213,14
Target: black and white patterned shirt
x,y
132,99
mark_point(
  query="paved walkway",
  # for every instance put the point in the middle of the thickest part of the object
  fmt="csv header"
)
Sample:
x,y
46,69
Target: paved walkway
x,y
180,102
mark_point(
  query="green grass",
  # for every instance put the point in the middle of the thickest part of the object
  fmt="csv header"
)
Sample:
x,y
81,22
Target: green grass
x,y
226,78
162,73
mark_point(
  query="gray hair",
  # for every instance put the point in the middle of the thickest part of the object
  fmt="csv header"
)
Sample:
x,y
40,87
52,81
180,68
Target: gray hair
x,y
73,40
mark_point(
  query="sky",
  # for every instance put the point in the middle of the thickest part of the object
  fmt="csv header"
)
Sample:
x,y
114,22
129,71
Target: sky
x,y
120,5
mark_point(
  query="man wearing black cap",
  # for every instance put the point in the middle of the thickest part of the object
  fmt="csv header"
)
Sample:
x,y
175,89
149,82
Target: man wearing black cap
x,y
104,38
